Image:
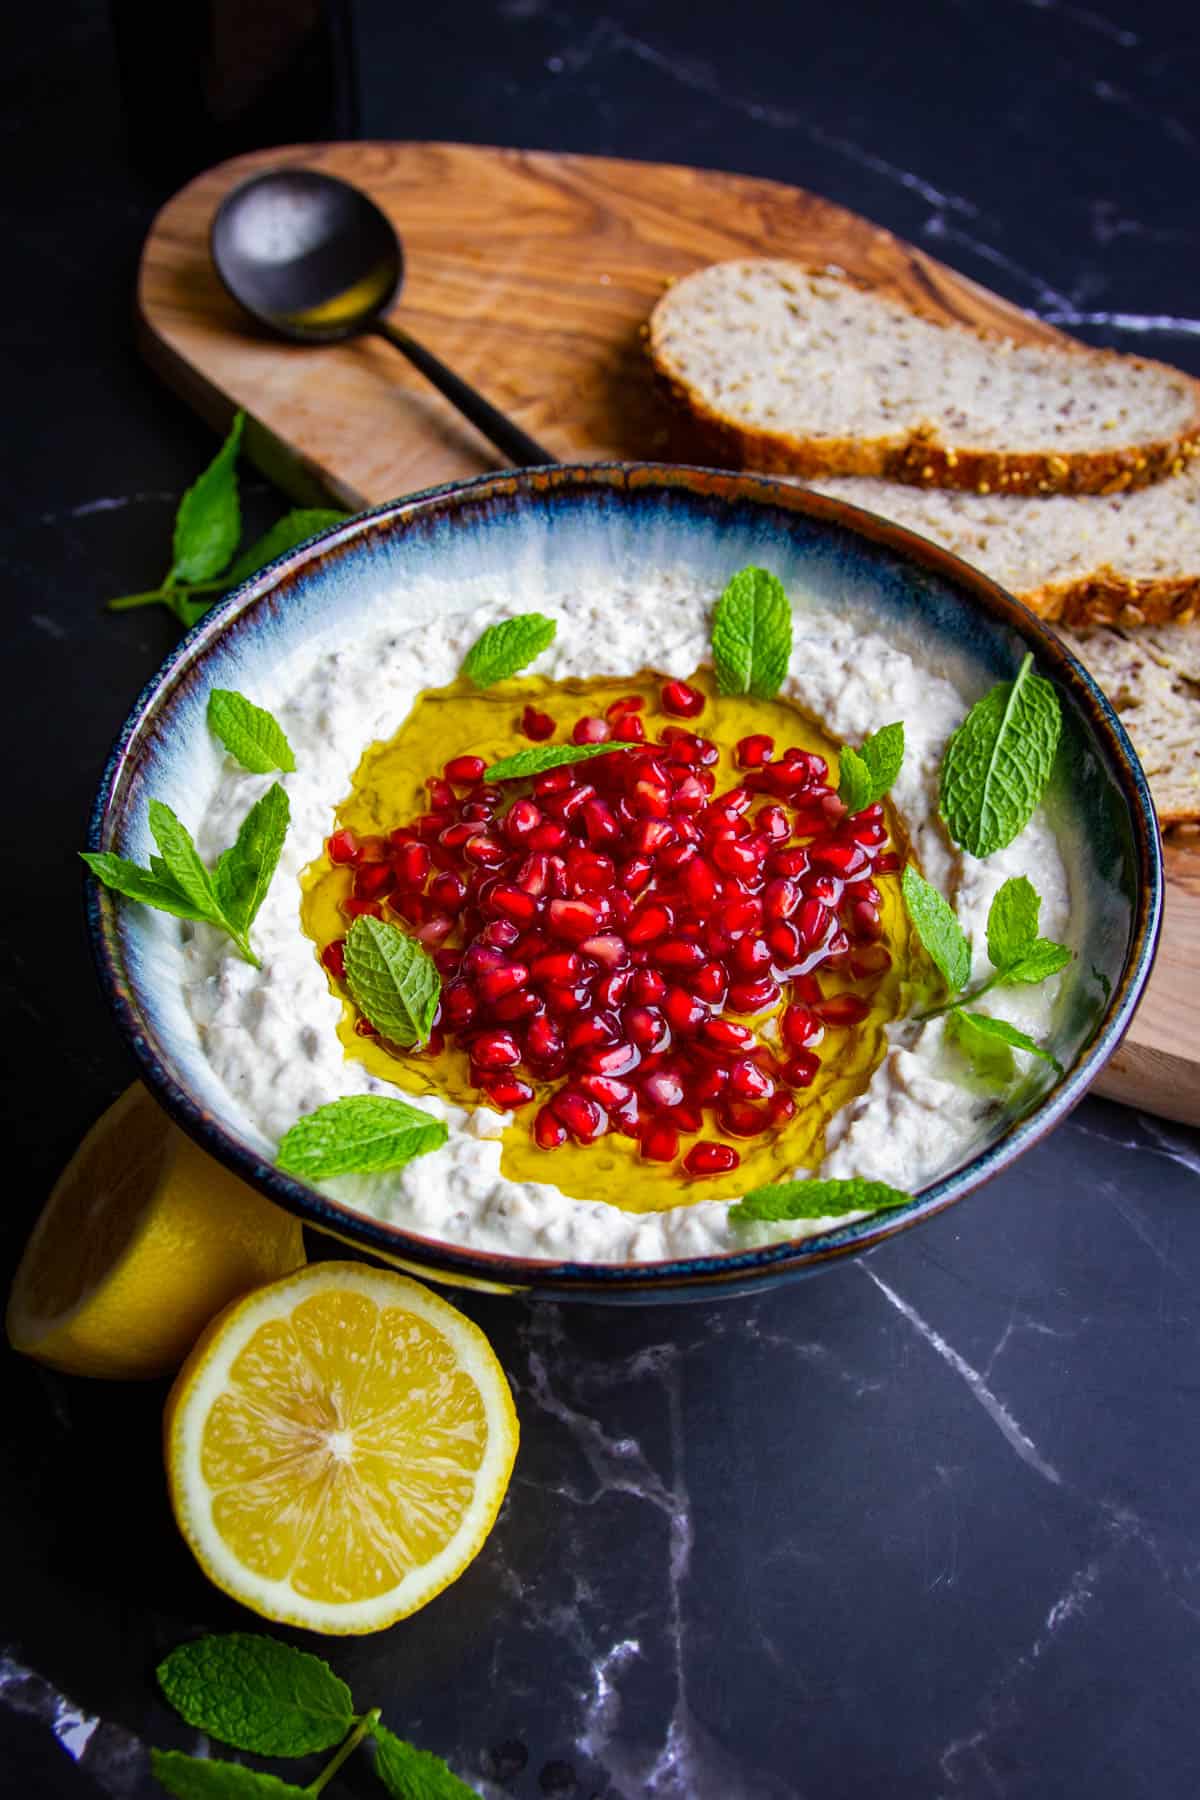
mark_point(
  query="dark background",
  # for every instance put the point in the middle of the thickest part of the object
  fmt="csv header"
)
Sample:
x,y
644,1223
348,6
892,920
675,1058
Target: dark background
x,y
924,1526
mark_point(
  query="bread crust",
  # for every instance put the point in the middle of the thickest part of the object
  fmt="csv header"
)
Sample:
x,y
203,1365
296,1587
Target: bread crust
x,y
1104,597
919,458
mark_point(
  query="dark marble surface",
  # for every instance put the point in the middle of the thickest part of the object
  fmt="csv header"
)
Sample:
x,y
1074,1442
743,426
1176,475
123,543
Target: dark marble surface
x,y
925,1526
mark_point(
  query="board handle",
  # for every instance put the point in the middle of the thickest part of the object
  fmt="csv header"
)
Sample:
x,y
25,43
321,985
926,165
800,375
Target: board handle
x,y
517,445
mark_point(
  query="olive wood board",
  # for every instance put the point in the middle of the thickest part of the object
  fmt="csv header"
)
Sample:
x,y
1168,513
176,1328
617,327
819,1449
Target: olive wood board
x,y
532,274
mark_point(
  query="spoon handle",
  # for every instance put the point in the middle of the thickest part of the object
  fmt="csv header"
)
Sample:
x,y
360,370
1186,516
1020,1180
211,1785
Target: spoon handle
x,y
522,450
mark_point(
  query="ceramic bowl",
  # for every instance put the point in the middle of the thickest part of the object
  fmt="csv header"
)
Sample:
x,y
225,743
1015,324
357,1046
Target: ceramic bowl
x,y
530,526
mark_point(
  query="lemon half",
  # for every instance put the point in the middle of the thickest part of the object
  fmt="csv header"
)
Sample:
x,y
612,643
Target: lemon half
x,y
143,1239
338,1445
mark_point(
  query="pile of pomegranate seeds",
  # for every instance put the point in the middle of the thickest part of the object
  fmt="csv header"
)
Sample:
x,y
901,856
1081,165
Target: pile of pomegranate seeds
x,y
616,937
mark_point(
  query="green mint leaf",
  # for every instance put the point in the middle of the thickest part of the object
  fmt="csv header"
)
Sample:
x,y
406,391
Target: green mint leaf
x,y
209,521
867,774
815,1200
393,980
294,528
200,1778
546,756
249,733
503,649
752,635
1042,959
998,762
410,1774
938,929
257,1694
183,864
360,1134
974,1026
244,871
1014,947
136,883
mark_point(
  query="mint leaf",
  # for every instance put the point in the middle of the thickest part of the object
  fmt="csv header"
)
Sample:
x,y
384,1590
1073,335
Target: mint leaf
x,y
182,862
244,871
410,1774
938,929
249,733
393,980
1014,948
752,635
151,888
200,1778
815,1200
294,528
209,521
503,649
998,762
868,773
974,1026
360,1134
258,1694
538,757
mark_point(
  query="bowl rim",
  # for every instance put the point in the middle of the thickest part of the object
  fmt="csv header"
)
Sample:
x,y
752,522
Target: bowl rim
x,y
716,1271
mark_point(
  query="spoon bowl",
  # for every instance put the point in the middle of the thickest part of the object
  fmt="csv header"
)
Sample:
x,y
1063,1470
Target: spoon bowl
x,y
316,261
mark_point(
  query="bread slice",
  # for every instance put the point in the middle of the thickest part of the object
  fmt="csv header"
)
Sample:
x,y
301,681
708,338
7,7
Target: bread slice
x,y
1152,676
1123,559
800,371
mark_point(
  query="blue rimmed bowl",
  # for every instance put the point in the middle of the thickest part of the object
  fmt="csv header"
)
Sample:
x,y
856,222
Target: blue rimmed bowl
x,y
542,525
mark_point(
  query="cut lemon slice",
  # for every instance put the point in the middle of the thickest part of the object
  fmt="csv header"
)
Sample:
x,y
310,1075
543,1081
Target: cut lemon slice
x,y
142,1240
338,1446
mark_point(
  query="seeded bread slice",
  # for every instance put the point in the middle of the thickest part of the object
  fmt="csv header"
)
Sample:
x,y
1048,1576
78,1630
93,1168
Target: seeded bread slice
x,y
799,371
1152,676
1117,559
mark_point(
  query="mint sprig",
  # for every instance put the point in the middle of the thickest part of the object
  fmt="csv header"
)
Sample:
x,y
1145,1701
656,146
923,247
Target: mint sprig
x,y
539,757
263,1696
504,649
250,734
937,928
867,774
980,1032
208,525
178,882
393,980
998,762
752,635
360,1134
815,1200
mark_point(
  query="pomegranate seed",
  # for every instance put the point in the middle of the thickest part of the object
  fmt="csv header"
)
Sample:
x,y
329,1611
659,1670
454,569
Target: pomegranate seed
x,y
374,849
512,903
570,801
721,1037
650,799
591,731
495,983
549,835
333,956
871,960
613,989
480,957
865,921
495,1050
651,835
772,821
742,915
430,826
343,847
441,794
559,966
825,888
799,1070
750,955
484,851
565,1002
684,1013
749,1081
647,987
521,1003
798,1027
554,781
842,1010
646,1027
579,1113
589,872
599,822
500,934
699,881
607,949
437,926
521,818
595,1030
742,857
780,898
447,962
606,1091
707,1158
753,997
363,1028
634,874
677,857
711,984
463,770
455,836
506,1091
682,701
838,859
678,955
459,1004
813,922
707,1082
689,795
662,1089
374,881
739,1118
610,1059
548,1133
543,1041
888,864
787,862
577,919
537,725
660,1142
357,909
629,703
753,752
651,920
787,950
630,730
780,1108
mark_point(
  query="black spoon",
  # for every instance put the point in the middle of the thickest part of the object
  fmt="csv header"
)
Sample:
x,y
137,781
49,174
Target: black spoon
x,y
314,259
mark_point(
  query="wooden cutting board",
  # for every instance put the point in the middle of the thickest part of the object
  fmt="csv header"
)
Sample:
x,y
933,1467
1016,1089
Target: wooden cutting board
x,y
532,274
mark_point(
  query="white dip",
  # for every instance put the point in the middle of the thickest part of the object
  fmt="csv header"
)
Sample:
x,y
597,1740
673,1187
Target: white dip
x,y
271,1033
